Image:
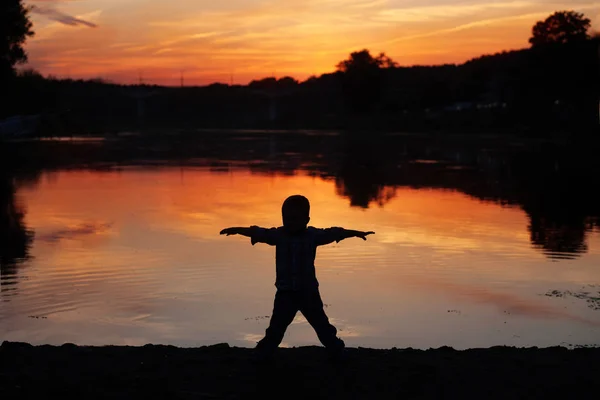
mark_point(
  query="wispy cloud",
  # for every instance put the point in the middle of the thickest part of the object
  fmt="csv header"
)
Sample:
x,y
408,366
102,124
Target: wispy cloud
x,y
190,37
162,51
462,27
436,12
457,10
55,15
369,4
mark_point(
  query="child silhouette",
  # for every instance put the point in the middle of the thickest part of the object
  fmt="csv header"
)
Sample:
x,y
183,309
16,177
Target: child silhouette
x,y
296,282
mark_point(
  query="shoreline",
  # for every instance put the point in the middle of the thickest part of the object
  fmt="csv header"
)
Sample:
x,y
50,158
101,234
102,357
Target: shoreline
x,y
223,372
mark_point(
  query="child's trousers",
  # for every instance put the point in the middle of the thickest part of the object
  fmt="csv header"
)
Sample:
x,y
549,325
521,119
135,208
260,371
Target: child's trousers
x,y
309,303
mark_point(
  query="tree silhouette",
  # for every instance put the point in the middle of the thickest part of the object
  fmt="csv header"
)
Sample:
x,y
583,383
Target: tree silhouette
x,y
361,61
561,27
15,27
363,79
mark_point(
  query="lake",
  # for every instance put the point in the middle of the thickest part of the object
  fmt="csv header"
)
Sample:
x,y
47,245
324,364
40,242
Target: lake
x,y
469,250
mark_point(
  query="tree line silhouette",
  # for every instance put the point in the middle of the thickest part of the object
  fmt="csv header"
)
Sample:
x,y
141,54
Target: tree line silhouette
x,y
549,88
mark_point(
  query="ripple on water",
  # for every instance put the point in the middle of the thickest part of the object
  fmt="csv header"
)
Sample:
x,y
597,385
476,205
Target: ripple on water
x,y
43,292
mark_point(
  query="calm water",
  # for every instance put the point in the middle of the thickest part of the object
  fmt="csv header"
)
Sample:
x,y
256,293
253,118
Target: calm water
x,y
134,256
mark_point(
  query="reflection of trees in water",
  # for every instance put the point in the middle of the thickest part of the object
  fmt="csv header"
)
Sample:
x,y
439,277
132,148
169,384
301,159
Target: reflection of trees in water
x,y
363,175
558,219
559,193
362,183
15,238
593,223
558,240
554,185
362,195
555,188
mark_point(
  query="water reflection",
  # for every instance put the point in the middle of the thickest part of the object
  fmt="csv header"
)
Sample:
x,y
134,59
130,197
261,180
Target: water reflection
x,y
15,238
557,190
554,185
83,229
111,268
556,240
131,236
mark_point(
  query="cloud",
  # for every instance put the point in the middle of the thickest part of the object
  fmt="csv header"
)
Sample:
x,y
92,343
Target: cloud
x,y
437,12
61,17
462,27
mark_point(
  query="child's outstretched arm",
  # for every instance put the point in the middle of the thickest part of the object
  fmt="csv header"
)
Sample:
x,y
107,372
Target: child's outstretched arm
x,y
255,233
335,234
348,233
237,231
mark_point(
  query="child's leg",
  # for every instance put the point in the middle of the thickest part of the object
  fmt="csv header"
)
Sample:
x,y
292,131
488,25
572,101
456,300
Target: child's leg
x,y
284,311
312,308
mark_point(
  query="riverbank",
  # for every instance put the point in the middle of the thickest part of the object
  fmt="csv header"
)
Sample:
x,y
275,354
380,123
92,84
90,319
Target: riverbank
x,y
223,372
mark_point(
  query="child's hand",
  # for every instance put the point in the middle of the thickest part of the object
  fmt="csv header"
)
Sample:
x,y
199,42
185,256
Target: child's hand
x,y
363,235
228,231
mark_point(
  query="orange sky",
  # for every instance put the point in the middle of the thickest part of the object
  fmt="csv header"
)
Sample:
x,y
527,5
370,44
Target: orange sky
x,y
247,39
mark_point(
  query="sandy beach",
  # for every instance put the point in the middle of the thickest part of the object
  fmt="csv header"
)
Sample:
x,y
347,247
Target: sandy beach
x,y
224,372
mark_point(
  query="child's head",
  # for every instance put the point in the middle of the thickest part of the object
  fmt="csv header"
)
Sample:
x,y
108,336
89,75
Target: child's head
x,y
295,212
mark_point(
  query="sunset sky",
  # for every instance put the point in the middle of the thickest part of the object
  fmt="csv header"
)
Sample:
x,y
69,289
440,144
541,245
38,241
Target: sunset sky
x,y
241,40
